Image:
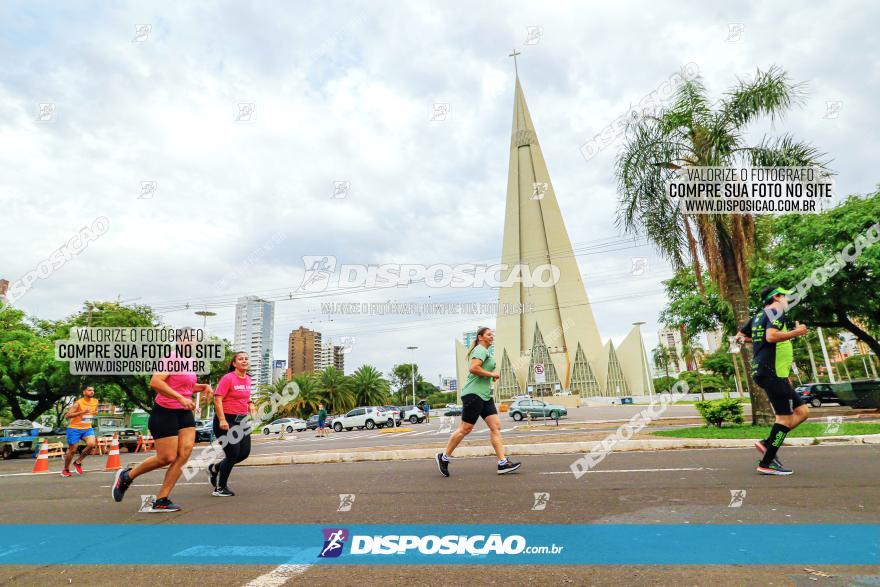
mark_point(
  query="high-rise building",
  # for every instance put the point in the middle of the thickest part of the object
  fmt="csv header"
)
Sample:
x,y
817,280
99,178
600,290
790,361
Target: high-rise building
x,y
556,345
330,355
254,332
279,369
339,357
304,351
671,339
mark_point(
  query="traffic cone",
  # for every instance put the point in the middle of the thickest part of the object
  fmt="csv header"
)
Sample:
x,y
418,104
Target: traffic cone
x,y
113,462
140,445
42,464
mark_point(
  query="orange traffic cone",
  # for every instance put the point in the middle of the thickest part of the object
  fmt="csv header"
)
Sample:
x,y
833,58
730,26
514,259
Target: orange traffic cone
x,y
113,461
42,464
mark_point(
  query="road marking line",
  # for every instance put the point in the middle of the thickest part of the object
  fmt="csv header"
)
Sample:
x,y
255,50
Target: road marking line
x,y
160,484
278,576
633,470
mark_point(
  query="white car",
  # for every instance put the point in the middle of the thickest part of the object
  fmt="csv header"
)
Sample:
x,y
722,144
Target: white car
x,y
289,425
368,417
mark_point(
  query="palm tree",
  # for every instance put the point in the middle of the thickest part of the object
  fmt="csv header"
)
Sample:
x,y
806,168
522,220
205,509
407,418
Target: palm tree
x,y
306,402
265,392
663,357
369,387
692,133
692,353
336,390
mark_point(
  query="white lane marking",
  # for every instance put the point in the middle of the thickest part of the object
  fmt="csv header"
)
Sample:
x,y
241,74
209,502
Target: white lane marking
x,y
278,576
424,432
633,470
160,484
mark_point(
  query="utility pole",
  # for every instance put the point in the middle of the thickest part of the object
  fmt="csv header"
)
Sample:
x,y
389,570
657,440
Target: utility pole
x,y
812,360
413,373
825,354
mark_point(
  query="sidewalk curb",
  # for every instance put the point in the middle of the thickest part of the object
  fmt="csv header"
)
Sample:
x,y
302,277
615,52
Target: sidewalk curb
x,y
535,449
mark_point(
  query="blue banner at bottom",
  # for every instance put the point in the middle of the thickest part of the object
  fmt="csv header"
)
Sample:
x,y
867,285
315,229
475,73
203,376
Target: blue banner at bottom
x,y
481,544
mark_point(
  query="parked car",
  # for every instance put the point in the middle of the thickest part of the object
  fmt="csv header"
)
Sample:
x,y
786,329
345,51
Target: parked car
x,y
536,409
312,422
564,392
204,430
412,413
452,411
110,425
368,417
15,441
289,425
816,394
394,412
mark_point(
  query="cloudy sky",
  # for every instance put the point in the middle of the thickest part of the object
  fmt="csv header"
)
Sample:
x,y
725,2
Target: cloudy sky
x,y
214,136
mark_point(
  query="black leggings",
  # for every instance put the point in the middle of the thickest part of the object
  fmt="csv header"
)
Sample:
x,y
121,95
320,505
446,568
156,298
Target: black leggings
x,y
235,452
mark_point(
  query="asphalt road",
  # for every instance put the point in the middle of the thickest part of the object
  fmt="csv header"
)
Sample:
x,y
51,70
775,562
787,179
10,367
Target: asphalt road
x,y
833,484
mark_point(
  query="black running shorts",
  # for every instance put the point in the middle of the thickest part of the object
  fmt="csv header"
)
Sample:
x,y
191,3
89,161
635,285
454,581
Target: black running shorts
x,y
473,407
783,398
166,422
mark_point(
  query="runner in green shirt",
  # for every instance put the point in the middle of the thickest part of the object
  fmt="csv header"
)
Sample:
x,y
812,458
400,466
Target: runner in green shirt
x,y
771,332
477,402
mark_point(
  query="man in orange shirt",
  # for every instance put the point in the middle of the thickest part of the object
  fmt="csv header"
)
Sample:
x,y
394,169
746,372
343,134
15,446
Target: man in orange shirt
x,y
80,414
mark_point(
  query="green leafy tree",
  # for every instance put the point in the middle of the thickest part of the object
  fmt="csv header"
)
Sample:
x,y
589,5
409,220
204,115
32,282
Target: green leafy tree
x,y
31,380
369,387
697,312
804,246
336,390
695,133
306,402
402,380
692,353
663,358
718,363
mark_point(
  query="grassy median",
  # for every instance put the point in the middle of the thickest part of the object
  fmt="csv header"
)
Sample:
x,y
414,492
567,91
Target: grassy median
x,y
807,429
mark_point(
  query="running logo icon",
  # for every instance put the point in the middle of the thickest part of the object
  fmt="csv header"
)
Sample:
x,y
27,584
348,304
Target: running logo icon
x,y
737,497
318,270
541,501
334,541
346,500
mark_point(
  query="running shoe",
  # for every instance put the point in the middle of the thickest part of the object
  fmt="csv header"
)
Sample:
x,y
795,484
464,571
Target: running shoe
x,y
774,469
442,465
759,444
508,467
161,505
212,471
121,483
223,492
65,473
78,468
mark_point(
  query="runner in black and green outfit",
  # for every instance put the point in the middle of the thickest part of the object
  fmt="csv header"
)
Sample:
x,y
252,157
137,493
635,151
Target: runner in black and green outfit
x,y
771,334
477,402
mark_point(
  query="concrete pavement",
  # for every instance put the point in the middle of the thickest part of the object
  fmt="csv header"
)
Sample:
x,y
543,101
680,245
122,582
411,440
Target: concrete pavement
x,y
832,484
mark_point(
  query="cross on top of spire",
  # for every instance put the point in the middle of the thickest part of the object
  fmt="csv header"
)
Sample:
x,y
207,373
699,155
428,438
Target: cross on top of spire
x,y
514,54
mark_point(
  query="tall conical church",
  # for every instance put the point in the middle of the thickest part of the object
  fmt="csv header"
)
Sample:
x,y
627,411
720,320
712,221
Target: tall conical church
x,y
560,332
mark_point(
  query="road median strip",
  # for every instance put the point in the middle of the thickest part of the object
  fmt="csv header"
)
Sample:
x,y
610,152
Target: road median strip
x,y
405,454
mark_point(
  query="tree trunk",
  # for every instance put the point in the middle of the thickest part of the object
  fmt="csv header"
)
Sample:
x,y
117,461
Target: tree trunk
x,y
762,411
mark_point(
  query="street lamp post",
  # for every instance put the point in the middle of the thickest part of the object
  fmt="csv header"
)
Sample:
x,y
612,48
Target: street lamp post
x,y
413,349
204,314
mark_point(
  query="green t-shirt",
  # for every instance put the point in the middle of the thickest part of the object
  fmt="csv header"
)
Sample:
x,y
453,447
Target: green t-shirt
x,y
322,414
475,384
